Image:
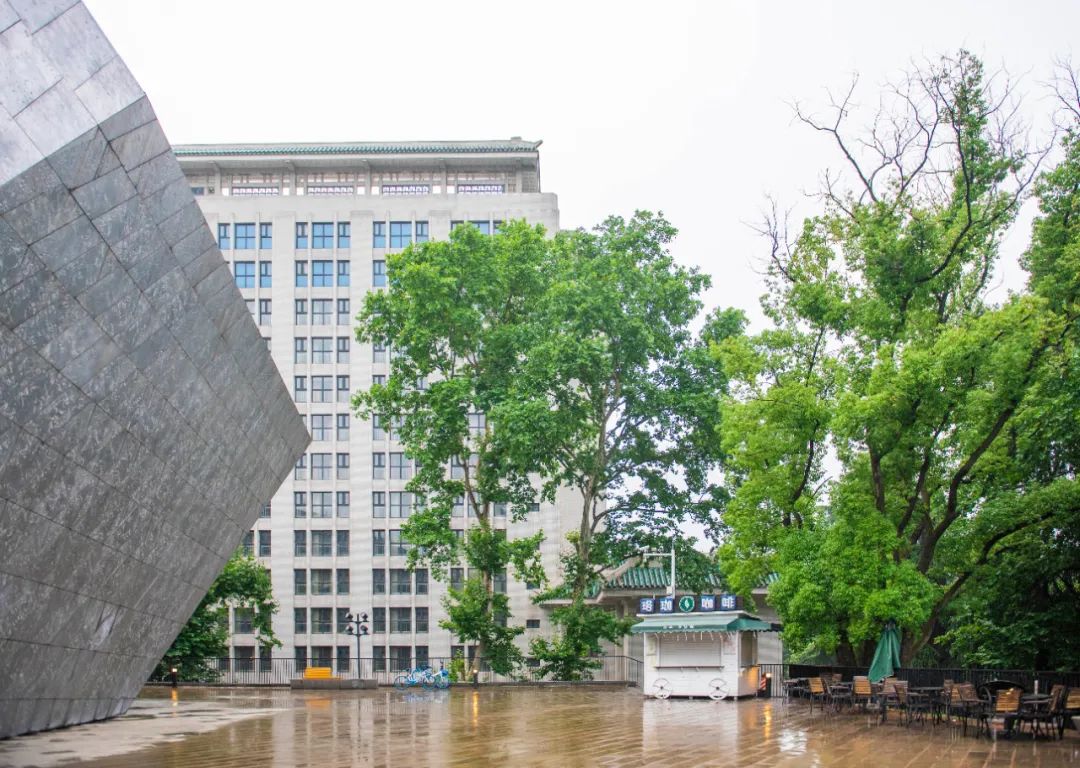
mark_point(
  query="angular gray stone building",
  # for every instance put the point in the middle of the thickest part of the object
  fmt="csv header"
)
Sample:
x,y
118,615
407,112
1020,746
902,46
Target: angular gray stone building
x,y
143,422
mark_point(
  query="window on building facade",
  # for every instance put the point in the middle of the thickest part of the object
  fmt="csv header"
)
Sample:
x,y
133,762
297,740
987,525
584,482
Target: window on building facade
x,y
421,231
377,431
321,582
299,504
321,621
321,311
299,543
301,311
322,274
378,620
400,234
378,273
343,317
378,352
400,658
378,542
322,504
457,578
400,620
247,544
342,539
320,426
244,273
532,623
245,237
300,656
322,235
499,581
343,622
300,350
300,620
264,311
344,234
399,467
378,234
266,273
266,236
264,510
343,426
342,652
320,466
421,620
342,579
299,581
301,234
343,345
321,543
498,509
378,582
223,236
400,504
343,393
321,391
343,268
343,466
264,543
421,576
300,389
322,349
301,271
378,504
343,498
378,466
398,545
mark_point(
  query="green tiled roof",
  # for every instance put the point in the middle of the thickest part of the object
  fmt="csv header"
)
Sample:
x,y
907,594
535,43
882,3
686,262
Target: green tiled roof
x,y
644,577
359,148
675,623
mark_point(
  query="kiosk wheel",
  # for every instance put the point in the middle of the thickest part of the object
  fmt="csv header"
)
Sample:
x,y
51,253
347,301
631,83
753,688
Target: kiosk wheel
x,y
662,688
718,689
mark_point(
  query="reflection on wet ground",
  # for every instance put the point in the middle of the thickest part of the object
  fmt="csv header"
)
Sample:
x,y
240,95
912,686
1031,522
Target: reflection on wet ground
x,y
564,727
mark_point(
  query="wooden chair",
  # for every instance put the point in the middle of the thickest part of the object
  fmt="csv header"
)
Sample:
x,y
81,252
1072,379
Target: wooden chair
x,y
861,692
1048,715
913,705
839,693
1006,708
817,691
891,698
1071,708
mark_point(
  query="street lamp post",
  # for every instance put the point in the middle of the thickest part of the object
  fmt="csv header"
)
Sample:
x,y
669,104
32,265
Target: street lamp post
x,y
671,554
357,626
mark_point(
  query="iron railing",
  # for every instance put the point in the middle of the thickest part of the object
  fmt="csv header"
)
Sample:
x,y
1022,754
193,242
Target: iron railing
x,y
230,671
775,674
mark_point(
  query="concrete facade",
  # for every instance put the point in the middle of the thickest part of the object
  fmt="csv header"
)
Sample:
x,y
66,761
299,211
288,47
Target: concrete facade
x,y
142,422
308,226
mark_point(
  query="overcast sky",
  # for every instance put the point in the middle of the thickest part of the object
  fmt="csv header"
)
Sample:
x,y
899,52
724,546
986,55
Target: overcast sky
x,y
675,106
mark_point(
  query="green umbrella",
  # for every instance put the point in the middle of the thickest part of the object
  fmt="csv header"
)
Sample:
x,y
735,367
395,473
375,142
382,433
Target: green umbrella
x,y
887,656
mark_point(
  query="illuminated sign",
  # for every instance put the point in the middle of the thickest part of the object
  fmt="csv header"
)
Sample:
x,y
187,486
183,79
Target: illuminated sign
x,y
689,604
667,605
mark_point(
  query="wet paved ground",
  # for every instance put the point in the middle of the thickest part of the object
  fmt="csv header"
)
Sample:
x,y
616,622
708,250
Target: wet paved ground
x,y
563,727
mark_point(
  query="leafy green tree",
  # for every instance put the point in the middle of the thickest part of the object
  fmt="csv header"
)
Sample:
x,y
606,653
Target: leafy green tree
x,y
243,584
886,352
616,396
458,318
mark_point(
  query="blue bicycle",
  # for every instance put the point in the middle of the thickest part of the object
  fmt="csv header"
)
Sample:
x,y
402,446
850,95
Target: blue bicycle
x,y
423,676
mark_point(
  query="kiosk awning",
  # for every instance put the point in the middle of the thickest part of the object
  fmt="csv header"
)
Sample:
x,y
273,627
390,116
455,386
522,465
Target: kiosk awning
x,y
673,626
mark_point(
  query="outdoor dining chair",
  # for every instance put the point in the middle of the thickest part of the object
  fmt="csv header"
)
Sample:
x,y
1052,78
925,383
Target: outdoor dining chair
x,y
817,691
1006,708
1072,708
862,692
1048,715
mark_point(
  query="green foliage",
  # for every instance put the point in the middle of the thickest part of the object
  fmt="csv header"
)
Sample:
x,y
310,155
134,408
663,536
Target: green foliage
x,y
938,406
243,583
476,614
581,628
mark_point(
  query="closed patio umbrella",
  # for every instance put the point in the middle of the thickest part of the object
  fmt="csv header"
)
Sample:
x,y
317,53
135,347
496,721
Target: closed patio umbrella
x,y
887,655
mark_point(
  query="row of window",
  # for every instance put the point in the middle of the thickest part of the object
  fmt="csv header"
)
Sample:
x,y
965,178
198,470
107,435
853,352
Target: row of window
x,y
322,506
321,621
324,426
323,466
322,390
321,349
402,658
401,620
320,581
248,545
324,543
322,310
262,316
321,235
400,581
314,274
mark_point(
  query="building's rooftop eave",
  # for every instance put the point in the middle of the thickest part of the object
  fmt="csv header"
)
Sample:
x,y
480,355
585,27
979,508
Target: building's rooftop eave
x,y
377,148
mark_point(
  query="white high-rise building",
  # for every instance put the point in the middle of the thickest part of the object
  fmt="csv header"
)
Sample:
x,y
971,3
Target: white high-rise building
x,y
306,228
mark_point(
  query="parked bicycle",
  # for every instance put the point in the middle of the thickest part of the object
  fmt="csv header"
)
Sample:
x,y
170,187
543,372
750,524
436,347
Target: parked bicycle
x,y
425,677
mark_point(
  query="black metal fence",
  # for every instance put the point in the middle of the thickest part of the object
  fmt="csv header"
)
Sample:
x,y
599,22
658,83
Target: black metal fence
x,y
280,671
775,674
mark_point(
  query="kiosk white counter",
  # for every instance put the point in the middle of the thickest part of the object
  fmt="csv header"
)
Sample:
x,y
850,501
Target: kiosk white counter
x,y
697,652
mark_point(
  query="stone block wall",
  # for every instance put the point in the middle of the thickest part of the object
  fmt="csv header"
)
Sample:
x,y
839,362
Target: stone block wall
x,y
142,420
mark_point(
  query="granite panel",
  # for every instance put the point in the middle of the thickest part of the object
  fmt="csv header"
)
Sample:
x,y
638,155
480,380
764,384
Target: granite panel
x,y
134,447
